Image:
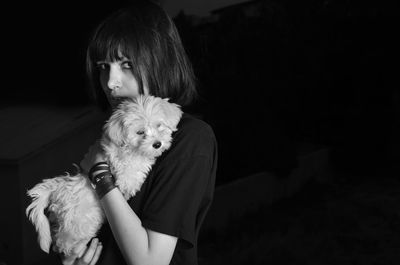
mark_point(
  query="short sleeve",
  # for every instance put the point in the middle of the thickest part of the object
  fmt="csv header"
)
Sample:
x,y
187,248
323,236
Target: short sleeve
x,y
178,198
182,186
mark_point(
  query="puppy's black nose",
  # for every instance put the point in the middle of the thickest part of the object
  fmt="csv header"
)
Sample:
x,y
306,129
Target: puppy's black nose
x,y
157,145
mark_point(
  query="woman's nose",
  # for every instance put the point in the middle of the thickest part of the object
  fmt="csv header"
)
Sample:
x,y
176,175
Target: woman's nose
x,y
115,78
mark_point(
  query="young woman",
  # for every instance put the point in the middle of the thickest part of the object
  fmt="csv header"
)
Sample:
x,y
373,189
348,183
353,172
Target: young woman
x,y
137,50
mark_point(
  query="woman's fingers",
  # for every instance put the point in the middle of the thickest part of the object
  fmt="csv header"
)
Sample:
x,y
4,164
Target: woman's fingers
x,y
84,255
84,164
86,161
94,154
90,251
81,250
75,253
96,254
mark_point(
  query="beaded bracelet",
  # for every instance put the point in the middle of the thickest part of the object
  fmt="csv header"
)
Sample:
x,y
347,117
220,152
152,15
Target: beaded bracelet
x,y
97,167
103,182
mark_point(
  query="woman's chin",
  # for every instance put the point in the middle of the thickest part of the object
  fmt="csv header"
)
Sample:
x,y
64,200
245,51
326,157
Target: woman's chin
x,y
114,102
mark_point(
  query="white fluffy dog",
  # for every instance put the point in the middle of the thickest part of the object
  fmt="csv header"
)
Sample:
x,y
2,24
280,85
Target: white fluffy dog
x,y
138,131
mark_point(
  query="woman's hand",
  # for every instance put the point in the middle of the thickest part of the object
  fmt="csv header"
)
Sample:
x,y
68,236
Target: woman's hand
x,y
94,155
83,255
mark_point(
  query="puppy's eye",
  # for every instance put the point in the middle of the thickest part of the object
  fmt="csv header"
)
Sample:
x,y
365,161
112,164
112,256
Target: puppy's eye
x,y
161,126
141,132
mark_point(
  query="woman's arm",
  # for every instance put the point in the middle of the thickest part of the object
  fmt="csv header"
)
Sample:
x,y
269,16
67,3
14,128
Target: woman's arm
x,y
138,245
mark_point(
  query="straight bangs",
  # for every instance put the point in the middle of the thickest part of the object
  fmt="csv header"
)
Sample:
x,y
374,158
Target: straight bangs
x,y
109,47
114,42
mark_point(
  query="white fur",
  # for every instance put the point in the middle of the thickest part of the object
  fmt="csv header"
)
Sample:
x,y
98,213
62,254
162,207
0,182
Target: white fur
x,y
74,212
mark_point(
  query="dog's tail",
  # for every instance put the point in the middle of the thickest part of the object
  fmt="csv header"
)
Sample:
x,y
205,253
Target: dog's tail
x,y
40,195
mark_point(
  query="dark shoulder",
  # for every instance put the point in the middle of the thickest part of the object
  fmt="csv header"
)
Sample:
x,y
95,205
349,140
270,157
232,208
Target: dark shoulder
x,y
192,127
193,137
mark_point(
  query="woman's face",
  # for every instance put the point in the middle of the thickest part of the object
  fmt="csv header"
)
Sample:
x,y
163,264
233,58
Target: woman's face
x,y
117,80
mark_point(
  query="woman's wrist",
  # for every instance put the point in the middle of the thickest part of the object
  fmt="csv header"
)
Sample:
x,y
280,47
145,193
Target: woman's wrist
x,y
96,169
102,179
104,186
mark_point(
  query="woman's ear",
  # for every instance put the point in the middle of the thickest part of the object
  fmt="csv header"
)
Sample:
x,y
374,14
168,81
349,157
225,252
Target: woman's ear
x,y
172,113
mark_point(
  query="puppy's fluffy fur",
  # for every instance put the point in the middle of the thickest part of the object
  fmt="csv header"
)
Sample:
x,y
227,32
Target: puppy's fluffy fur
x,y
138,131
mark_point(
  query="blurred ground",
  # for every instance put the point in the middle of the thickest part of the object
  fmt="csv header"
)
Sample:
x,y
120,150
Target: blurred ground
x,y
352,221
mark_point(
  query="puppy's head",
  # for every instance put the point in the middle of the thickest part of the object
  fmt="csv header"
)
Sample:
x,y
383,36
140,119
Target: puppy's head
x,y
144,124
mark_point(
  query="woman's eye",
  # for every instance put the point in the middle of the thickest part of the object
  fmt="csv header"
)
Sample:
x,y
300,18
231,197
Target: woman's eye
x,y
127,65
102,66
140,132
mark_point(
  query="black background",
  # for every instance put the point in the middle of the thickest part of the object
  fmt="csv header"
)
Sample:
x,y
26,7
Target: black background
x,y
322,72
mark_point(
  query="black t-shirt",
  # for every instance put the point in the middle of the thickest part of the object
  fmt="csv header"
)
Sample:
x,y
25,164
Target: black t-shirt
x,y
176,194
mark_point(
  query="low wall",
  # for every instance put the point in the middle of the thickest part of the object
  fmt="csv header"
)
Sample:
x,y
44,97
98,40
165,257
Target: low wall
x,y
37,142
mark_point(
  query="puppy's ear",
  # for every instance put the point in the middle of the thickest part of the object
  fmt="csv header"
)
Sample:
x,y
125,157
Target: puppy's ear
x,y
172,113
114,129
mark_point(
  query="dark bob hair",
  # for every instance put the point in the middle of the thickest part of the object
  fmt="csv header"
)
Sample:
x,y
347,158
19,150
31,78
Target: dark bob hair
x,y
147,36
